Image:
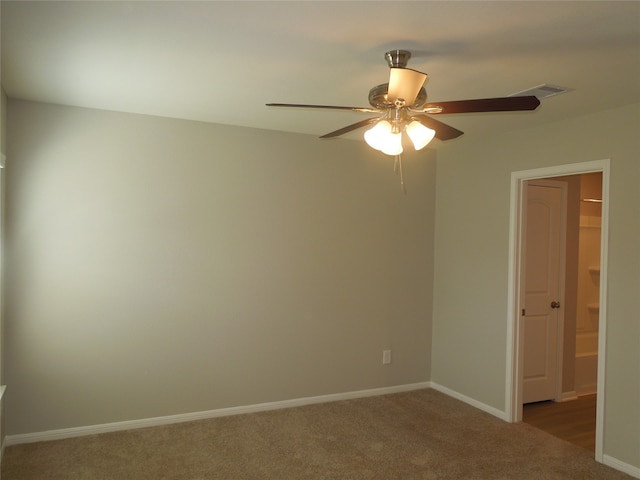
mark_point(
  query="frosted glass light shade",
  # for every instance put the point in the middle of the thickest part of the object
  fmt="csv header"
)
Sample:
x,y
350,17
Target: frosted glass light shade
x,y
419,134
375,136
392,144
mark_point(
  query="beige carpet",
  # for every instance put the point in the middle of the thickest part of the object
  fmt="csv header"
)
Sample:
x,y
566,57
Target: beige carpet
x,y
408,436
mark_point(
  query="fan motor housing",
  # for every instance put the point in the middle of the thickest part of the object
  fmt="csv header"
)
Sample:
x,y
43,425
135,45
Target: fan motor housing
x,y
378,97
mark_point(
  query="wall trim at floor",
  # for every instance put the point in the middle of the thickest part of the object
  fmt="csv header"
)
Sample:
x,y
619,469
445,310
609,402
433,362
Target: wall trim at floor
x,y
2,387
471,401
607,460
188,417
261,407
623,467
568,396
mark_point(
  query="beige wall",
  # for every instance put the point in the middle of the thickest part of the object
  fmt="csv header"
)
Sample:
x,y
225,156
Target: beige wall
x,y
159,266
3,150
3,136
471,260
3,121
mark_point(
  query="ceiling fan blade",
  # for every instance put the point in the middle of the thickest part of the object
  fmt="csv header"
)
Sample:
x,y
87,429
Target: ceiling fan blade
x,y
443,131
349,128
405,83
328,107
503,104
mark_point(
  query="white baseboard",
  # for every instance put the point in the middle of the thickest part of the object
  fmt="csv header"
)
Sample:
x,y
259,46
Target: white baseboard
x,y
188,417
568,396
607,460
261,407
623,467
2,387
471,401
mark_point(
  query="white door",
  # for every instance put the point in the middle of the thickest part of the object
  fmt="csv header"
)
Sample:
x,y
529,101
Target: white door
x,y
543,285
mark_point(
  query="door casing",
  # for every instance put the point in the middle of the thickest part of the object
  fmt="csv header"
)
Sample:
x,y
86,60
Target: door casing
x,y
513,390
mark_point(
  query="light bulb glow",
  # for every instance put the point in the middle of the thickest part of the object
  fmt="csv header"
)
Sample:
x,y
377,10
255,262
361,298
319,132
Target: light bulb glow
x,y
419,134
375,136
392,144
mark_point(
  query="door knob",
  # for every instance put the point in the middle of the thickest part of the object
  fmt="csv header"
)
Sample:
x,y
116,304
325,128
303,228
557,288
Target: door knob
x,y
555,304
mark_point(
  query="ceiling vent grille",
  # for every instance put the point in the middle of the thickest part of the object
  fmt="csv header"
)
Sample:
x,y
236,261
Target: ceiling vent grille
x,y
542,91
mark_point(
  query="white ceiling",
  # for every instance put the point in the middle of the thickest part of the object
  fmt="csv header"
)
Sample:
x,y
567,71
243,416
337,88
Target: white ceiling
x,y
221,62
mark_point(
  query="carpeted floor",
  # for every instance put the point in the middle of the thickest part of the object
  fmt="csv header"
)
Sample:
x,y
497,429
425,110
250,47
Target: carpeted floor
x,y
421,435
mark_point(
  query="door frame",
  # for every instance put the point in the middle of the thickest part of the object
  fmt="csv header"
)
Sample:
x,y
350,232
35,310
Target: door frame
x,y
513,390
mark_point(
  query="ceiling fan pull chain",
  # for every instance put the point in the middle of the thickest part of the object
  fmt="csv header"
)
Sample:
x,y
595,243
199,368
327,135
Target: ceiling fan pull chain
x,y
397,167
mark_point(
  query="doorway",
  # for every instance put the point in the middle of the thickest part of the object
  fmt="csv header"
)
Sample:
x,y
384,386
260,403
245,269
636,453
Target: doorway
x,y
516,326
560,380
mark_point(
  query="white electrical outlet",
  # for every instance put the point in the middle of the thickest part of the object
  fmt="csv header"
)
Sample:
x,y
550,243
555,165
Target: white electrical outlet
x,y
386,357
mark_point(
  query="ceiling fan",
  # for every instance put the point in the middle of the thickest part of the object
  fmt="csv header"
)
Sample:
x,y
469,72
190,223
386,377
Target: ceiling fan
x,y
401,107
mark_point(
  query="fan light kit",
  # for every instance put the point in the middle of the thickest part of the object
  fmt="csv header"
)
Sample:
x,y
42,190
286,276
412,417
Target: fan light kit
x,y
402,107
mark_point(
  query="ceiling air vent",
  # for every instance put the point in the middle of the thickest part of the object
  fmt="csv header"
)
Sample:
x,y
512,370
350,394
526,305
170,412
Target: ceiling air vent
x,y
542,91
